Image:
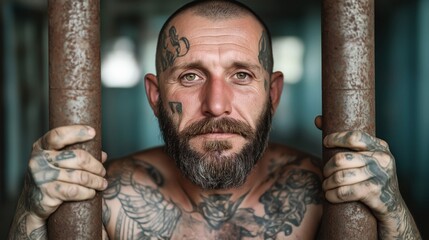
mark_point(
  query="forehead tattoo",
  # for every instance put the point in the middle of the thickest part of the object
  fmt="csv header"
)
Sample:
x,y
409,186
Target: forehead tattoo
x,y
172,47
264,54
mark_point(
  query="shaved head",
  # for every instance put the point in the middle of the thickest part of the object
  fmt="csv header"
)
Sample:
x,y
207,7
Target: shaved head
x,y
216,10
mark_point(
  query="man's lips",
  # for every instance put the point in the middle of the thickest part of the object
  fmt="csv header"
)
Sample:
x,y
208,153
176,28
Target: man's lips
x,y
217,135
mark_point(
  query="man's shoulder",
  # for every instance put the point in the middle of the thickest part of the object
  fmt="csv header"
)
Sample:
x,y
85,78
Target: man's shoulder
x,y
287,157
153,163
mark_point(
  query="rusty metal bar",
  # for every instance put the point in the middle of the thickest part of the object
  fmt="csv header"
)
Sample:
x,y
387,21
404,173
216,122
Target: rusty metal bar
x,y
348,99
75,98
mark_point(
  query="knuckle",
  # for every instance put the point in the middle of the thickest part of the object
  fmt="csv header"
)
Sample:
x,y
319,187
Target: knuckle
x,y
386,159
337,160
353,138
373,189
84,178
71,192
82,157
55,135
344,193
91,193
338,177
384,143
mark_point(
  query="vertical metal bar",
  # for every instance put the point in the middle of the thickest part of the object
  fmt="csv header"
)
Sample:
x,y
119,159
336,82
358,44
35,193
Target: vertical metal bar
x,y
75,98
348,99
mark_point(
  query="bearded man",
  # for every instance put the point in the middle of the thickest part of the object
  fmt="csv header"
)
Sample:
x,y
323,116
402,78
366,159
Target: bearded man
x,y
217,177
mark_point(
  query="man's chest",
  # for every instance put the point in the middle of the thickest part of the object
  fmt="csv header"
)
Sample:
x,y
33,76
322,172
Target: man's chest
x,y
153,216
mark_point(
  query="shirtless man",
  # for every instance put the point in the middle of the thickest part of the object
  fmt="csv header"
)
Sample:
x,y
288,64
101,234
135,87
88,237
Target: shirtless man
x,y
217,177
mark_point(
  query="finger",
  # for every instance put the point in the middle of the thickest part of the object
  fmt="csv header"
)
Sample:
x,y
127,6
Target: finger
x,y
318,122
83,178
346,177
68,192
355,140
60,137
103,157
343,161
355,192
77,160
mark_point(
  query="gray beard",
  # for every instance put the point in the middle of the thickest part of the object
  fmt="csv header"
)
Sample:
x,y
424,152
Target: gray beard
x,y
211,169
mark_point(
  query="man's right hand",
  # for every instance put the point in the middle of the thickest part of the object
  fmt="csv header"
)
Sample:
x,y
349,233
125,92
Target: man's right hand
x,y
57,175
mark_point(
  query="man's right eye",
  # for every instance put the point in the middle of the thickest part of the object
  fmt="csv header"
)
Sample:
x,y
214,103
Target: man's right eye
x,y
190,77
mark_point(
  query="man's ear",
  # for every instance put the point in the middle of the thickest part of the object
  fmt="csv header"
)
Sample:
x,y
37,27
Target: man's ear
x,y
152,91
276,88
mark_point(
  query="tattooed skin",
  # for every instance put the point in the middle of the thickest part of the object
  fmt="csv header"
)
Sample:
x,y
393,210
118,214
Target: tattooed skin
x,y
44,172
264,52
172,48
146,213
25,204
175,107
395,221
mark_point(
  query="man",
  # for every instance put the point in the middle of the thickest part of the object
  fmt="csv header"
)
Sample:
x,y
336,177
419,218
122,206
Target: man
x,y
217,177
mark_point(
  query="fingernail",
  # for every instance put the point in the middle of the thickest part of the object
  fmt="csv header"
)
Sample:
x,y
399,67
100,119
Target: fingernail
x,y
91,131
105,183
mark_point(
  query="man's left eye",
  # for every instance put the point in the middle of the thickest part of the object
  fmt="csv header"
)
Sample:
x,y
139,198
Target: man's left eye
x,y
241,75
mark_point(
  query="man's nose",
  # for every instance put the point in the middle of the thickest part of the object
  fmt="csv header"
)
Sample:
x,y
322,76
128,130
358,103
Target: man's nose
x,y
217,97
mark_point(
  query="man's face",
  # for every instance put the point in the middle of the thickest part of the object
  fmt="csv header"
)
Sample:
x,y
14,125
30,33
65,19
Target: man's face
x,y
214,107
211,168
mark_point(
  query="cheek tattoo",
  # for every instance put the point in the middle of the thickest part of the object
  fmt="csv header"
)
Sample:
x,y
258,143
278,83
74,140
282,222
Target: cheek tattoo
x,y
176,107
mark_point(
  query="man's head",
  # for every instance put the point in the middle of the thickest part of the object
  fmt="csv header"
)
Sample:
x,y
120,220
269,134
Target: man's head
x,y
214,93
216,10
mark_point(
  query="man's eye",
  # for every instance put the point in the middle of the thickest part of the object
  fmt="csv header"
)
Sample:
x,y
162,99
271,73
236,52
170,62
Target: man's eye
x,y
190,77
241,75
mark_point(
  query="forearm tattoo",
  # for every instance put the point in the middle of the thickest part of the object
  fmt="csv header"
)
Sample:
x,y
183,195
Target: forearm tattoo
x,y
145,211
30,198
37,234
405,225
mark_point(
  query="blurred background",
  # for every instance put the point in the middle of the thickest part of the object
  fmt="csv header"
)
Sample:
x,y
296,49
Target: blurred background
x,y
129,31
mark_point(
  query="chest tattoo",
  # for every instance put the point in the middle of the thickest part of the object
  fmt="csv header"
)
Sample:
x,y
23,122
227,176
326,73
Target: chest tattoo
x,y
147,214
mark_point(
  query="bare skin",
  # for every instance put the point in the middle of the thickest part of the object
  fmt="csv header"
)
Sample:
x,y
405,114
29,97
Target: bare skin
x,y
214,69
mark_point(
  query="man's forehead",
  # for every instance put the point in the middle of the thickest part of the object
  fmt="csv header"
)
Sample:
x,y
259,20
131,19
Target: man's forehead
x,y
189,22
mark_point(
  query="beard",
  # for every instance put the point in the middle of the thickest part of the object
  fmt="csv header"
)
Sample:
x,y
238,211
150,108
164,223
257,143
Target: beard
x,y
211,169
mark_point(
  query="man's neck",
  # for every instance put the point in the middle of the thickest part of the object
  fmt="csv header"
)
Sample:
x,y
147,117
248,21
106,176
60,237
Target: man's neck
x,y
197,194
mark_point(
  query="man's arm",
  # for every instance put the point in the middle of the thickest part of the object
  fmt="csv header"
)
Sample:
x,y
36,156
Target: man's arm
x,y
368,174
25,225
55,176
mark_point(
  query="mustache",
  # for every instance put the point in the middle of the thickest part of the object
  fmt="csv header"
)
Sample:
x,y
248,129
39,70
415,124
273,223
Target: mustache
x,y
223,125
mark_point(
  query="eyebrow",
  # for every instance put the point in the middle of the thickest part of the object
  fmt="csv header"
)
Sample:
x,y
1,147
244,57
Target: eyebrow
x,y
239,64
187,65
200,65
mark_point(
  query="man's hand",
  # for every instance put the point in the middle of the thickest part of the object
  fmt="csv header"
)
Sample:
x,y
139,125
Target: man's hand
x,y
58,175
365,172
